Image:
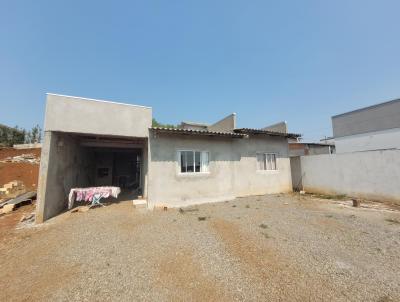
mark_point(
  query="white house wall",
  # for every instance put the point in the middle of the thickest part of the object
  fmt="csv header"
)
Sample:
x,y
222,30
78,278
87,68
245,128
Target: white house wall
x,y
386,139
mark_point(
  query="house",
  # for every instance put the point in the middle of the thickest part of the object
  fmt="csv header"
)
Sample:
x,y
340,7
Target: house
x,y
330,140
302,148
95,143
375,127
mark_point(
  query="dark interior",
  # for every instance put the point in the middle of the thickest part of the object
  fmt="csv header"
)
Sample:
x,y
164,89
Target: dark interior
x,y
118,167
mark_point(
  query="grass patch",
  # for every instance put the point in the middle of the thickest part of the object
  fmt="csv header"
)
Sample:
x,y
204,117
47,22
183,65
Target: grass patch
x,y
331,197
201,218
247,206
234,206
263,226
266,236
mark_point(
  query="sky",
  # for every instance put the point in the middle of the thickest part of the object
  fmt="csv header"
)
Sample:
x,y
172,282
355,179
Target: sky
x,y
267,61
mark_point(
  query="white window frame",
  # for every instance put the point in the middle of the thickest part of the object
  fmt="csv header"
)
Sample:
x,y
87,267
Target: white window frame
x,y
204,162
265,162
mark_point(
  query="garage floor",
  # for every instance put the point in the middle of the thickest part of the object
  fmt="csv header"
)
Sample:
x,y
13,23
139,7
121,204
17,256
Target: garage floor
x,y
266,248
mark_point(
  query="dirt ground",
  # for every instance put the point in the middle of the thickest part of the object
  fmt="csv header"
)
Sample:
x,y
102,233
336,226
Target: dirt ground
x,y
263,248
25,172
10,152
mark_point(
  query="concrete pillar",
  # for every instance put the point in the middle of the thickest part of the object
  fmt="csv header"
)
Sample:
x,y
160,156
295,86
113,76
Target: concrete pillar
x,y
43,171
145,167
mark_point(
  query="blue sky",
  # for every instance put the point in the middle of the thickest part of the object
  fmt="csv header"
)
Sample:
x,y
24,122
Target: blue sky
x,y
299,61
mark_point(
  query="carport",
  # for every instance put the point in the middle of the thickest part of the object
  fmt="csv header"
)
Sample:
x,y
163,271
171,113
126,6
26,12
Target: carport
x,y
91,143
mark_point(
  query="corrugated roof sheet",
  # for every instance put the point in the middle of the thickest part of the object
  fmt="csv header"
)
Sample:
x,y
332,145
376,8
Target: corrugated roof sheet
x,y
197,132
242,132
260,131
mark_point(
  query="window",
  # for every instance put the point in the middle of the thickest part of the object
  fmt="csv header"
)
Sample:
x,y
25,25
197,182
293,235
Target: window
x,y
266,161
193,161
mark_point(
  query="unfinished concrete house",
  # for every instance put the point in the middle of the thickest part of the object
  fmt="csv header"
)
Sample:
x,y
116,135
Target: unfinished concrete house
x,y
99,143
371,128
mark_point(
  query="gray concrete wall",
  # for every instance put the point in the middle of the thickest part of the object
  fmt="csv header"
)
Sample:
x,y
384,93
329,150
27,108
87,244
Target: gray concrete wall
x,y
372,174
370,119
227,124
80,115
318,149
232,169
250,181
385,139
300,149
278,127
64,165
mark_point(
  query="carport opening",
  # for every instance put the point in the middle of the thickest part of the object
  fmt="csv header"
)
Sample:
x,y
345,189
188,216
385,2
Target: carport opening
x,y
109,161
118,167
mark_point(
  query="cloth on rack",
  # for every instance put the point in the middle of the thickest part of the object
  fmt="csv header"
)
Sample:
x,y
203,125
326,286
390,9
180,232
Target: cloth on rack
x,y
91,194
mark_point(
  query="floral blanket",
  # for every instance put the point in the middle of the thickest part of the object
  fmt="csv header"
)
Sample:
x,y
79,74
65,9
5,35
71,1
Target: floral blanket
x,y
91,194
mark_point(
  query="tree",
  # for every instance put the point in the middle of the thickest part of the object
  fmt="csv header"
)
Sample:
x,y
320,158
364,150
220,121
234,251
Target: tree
x,y
34,135
155,123
11,136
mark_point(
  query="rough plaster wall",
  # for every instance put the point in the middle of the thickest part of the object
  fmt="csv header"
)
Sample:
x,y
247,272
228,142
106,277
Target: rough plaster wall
x,y
227,124
249,181
372,174
232,170
64,165
316,150
167,186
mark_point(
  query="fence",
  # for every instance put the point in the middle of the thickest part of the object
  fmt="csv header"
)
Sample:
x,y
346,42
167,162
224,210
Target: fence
x,y
370,174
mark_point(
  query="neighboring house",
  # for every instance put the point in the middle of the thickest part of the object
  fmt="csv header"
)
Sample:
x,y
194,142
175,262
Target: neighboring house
x,y
94,143
301,149
371,128
330,140
193,126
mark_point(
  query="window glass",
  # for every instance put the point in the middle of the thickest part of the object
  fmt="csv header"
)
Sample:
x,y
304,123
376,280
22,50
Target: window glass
x,y
204,161
269,162
183,162
273,161
197,161
189,161
266,161
193,161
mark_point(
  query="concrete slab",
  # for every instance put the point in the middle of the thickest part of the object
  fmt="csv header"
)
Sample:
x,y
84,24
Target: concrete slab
x,y
139,203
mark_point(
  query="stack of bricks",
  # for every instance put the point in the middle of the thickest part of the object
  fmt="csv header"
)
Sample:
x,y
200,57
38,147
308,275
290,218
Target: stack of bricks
x,y
12,188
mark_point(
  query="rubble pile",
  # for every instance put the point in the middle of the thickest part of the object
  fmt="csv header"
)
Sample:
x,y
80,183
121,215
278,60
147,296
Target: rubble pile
x,y
12,188
23,158
14,195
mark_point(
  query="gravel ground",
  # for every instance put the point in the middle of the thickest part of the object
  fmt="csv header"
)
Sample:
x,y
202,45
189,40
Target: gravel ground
x,y
263,248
